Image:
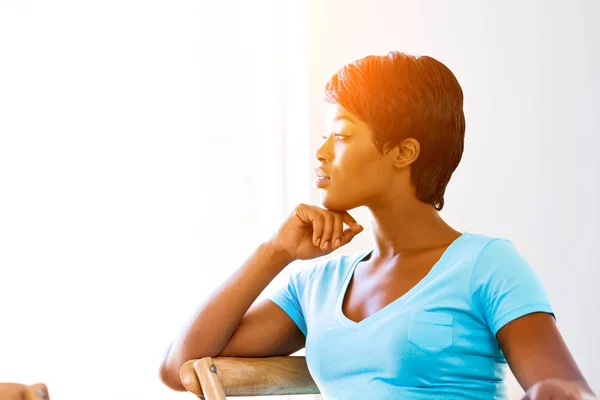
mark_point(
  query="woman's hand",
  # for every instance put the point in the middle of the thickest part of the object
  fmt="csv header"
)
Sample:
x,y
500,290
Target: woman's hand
x,y
311,232
559,389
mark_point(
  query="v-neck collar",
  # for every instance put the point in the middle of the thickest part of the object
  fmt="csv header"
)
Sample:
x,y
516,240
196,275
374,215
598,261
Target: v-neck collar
x,y
433,272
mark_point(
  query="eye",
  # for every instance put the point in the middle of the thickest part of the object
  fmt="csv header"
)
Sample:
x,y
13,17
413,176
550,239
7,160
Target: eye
x,y
336,136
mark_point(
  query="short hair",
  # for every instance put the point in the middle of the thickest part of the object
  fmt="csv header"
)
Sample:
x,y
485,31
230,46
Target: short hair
x,y
402,96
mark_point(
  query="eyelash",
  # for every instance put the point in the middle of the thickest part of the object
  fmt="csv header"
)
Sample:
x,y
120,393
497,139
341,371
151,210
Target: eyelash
x,y
337,137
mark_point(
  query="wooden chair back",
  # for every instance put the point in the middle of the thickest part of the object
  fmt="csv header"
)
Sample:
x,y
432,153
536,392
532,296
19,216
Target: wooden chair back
x,y
215,378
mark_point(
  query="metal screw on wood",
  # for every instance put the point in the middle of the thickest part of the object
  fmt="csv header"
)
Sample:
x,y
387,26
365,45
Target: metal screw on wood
x,y
42,393
213,369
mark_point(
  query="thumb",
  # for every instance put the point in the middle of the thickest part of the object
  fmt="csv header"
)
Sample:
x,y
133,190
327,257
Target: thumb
x,y
349,234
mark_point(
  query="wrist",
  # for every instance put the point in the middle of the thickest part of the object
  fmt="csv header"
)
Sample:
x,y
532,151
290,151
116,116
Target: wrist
x,y
279,255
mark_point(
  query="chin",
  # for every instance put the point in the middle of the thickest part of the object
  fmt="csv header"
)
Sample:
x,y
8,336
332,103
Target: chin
x,y
337,203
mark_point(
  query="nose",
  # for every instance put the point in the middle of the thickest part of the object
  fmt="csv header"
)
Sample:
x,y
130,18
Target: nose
x,y
324,154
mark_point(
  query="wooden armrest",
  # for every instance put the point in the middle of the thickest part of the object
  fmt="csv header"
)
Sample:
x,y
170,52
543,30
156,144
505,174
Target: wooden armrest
x,y
18,391
250,376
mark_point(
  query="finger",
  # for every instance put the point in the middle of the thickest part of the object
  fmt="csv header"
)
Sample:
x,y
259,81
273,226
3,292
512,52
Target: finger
x,y
338,229
351,222
327,230
311,216
539,392
318,223
348,235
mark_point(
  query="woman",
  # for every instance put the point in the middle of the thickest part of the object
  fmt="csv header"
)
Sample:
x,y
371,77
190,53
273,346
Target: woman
x,y
429,312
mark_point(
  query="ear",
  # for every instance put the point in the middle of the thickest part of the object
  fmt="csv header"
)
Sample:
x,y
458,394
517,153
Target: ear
x,y
406,152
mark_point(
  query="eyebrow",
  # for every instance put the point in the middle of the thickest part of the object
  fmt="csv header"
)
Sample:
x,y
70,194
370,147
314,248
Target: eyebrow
x,y
346,117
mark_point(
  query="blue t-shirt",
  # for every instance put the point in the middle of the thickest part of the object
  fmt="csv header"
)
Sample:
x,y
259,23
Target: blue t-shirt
x,y
437,341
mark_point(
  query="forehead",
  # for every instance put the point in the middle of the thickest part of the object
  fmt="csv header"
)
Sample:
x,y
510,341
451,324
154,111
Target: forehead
x,y
336,112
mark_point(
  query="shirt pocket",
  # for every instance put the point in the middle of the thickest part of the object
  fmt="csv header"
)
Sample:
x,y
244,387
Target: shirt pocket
x,y
430,331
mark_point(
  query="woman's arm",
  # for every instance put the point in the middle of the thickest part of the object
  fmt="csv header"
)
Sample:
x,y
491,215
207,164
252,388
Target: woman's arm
x,y
540,360
213,325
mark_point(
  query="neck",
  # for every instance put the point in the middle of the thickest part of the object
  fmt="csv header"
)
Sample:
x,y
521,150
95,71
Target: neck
x,y
403,227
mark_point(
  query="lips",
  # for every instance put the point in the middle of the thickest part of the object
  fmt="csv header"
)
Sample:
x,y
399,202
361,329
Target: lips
x,y
320,174
322,178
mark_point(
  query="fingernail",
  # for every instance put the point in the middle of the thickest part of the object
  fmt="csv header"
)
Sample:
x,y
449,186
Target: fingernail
x,y
337,243
325,245
318,241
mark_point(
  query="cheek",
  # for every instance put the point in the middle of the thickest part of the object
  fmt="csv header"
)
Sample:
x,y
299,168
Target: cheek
x,y
358,167
358,176
351,162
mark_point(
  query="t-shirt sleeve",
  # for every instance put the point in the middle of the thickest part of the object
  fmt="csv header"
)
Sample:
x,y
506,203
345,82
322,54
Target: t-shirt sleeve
x,y
289,298
504,286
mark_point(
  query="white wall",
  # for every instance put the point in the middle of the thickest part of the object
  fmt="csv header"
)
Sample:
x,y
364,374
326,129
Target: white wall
x,y
140,163
119,162
529,71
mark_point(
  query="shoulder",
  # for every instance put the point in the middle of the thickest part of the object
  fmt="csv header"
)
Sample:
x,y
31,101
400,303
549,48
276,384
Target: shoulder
x,y
500,264
497,250
488,248
496,258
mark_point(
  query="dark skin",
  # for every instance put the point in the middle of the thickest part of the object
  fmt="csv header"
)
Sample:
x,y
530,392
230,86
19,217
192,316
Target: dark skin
x,y
409,237
380,285
540,359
